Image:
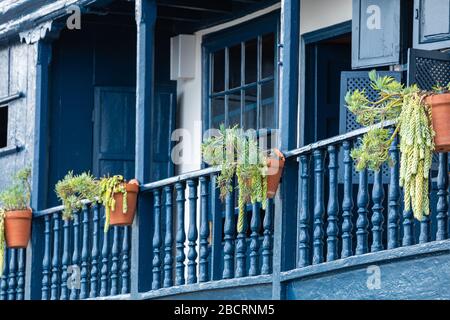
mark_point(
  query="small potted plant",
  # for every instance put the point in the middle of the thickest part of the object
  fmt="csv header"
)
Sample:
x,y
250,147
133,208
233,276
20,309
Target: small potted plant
x,y
74,189
421,119
258,172
15,214
119,199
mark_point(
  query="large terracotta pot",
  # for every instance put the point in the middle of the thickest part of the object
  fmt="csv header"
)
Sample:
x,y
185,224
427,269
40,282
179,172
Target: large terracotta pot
x,y
440,111
276,165
118,218
18,228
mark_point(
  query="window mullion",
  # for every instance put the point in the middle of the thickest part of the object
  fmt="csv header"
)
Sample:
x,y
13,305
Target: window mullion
x,y
258,82
227,85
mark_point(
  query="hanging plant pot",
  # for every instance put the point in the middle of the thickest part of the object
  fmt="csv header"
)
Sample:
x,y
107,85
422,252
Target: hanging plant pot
x,y
440,111
18,228
276,165
118,217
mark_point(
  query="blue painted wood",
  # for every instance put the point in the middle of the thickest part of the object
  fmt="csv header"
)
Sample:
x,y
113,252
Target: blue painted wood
x,y
217,231
377,208
65,260
168,258
362,223
425,223
4,278
20,291
115,262
229,231
204,230
266,267
104,279
304,245
192,232
393,240
430,32
84,282
408,228
255,225
181,235
12,276
76,251
333,205
241,250
125,276
319,208
55,258
46,260
442,204
347,203
95,254
156,281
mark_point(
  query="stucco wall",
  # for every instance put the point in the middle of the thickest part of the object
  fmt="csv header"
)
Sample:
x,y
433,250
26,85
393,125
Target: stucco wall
x,y
17,74
315,14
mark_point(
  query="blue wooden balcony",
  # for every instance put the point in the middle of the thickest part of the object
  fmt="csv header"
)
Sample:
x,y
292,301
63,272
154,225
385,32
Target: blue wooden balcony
x,y
340,225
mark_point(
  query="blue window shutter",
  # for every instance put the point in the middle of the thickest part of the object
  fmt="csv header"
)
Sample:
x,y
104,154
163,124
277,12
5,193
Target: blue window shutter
x,y
428,68
431,24
376,33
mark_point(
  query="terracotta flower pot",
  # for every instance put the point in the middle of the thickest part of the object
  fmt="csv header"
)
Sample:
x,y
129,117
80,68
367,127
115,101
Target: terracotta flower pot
x,y
276,165
440,111
118,218
18,228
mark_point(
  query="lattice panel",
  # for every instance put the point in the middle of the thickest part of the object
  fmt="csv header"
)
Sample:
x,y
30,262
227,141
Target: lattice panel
x,y
429,72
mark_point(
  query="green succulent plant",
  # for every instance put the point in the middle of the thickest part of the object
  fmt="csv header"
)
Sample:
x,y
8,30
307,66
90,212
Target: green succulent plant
x,y
238,154
108,187
73,189
406,107
16,197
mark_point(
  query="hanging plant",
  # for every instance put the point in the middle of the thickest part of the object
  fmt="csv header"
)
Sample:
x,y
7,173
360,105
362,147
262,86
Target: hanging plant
x,y
74,190
408,108
238,154
15,214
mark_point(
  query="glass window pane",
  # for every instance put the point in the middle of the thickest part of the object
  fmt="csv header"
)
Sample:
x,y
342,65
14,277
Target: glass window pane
x,y
235,66
268,115
219,71
251,60
250,107
234,109
268,55
217,111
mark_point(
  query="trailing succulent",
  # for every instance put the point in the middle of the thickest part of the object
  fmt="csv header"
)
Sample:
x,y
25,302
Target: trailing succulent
x,y
108,186
16,197
74,189
238,154
406,107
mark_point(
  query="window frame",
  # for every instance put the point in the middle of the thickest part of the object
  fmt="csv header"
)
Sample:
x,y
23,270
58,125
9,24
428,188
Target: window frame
x,y
239,34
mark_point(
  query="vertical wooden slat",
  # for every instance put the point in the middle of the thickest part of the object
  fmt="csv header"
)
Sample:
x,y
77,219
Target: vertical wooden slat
x,y
216,256
55,258
95,251
156,281
333,205
76,250
347,203
192,232
362,222
204,231
104,279
408,228
4,279
377,208
125,260
20,275
65,260
241,250
85,255
115,262
394,197
266,267
168,258
319,208
255,224
181,235
229,231
12,280
303,215
442,204
46,260
425,223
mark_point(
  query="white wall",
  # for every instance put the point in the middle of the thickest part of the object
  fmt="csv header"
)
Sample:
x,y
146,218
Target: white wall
x,y
315,14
